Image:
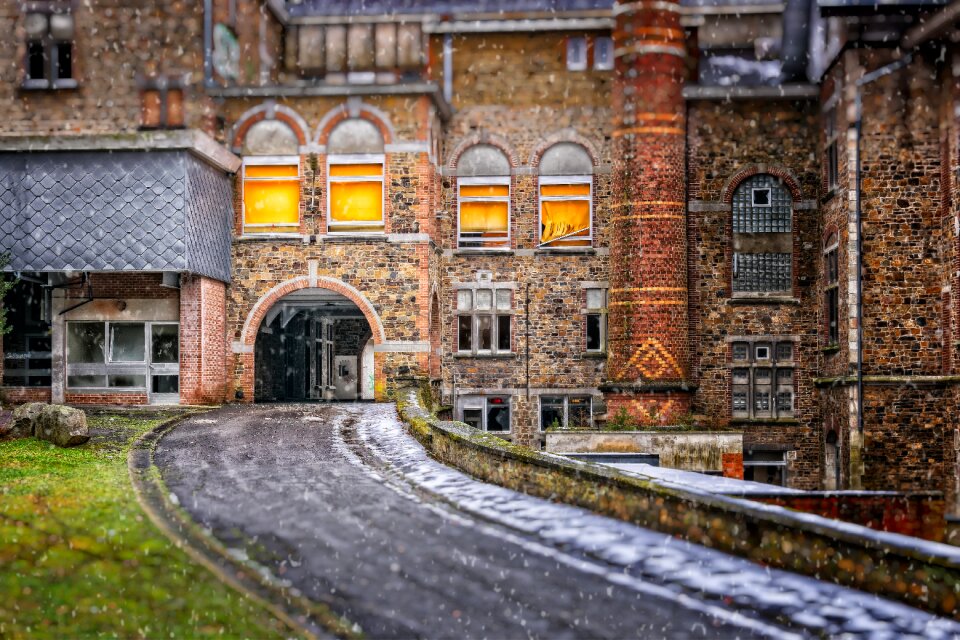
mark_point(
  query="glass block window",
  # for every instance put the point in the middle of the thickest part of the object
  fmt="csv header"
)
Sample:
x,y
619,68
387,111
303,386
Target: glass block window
x,y
762,236
762,378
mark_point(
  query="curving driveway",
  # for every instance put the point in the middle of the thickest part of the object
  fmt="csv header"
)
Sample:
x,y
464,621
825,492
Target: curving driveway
x,y
339,500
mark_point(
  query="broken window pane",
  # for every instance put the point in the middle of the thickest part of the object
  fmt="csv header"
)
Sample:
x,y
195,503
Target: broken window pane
x,y
85,342
594,340
578,412
165,343
551,412
464,333
166,384
565,214
498,414
127,342
503,333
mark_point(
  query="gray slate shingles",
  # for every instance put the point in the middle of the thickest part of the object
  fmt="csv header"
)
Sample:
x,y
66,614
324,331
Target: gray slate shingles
x,y
122,211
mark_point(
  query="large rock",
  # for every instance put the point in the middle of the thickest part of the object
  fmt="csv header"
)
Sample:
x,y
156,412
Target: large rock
x,y
25,419
63,426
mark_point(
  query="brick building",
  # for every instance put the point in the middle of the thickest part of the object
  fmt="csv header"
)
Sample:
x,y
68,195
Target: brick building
x,y
564,212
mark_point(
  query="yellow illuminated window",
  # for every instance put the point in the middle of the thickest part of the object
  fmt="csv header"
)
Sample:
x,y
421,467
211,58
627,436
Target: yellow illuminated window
x,y
355,195
565,214
484,214
271,197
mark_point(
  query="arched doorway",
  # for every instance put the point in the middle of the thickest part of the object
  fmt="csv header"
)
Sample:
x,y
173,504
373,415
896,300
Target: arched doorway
x,y
309,346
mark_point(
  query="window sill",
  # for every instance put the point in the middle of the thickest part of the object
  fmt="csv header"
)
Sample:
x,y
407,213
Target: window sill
x,y
569,251
486,356
789,421
463,251
46,85
830,349
598,355
355,236
249,237
762,299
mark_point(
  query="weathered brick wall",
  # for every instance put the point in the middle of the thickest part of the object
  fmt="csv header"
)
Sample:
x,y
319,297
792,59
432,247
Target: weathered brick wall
x,y
203,347
725,138
115,41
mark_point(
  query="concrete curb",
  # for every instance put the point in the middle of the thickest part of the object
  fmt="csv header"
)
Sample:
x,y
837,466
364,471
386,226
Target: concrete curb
x,y
303,616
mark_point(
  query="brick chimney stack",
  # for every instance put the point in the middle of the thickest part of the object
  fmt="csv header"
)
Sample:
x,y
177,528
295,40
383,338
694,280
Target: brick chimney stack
x,y
649,345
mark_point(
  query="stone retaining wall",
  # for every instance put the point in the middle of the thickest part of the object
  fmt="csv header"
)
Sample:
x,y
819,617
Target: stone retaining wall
x,y
687,450
918,572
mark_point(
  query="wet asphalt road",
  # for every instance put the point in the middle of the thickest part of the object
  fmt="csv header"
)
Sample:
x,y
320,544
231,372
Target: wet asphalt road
x,y
287,484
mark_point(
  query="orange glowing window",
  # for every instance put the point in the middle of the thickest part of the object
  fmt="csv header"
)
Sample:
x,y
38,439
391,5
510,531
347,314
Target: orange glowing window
x,y
271,198
565,214
355,196
484,214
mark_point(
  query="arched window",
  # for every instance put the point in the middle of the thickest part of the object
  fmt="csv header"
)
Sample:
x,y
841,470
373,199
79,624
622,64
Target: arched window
x,y
831,289
483,185
355,177
271,178
566,208
762,236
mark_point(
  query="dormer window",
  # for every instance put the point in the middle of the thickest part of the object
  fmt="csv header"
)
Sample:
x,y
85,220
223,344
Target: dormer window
x,y
49,50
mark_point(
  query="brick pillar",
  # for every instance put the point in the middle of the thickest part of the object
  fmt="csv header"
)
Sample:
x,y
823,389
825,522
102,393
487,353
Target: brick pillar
x,y
648,365
203,364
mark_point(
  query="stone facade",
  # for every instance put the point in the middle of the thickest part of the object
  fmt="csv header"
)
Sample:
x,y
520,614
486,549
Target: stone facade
x,y
666,162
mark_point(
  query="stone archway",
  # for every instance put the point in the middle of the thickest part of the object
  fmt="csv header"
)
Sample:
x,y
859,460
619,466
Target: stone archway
x,y
260,310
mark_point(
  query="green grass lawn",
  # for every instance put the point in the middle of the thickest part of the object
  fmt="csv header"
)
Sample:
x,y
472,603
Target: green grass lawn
x,y
78,558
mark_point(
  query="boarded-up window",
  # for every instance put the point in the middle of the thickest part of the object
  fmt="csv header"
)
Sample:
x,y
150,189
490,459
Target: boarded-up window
x,y
271,196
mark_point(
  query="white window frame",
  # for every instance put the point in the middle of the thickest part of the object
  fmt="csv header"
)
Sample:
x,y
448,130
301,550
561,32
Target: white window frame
x,y
753,197
575,63
502,243
563,180
566,408
493,312
602,312
109,366
607,64
357,158
482,403
260,161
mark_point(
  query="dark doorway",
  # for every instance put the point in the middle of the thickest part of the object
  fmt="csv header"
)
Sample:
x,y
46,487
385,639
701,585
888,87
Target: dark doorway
x,y
309,348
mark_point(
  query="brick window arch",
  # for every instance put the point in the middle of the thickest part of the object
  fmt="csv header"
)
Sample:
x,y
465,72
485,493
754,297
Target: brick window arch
x,y
762,210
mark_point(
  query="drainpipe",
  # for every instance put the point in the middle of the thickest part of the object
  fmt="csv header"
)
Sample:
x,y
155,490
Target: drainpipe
x,y
448,67
858,132
208,43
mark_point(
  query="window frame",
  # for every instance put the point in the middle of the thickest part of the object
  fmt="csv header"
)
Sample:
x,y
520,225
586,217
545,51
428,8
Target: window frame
x,y
831,289
762,253
771,364
563,180
566,409
110,367
749,463
576,64
602,312
608,64
467,402
482,181
831,148
275,161
51,50
493,313
365,227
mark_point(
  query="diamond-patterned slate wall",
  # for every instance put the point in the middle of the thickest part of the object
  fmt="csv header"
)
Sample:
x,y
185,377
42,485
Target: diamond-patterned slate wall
x,y
108,211
209,220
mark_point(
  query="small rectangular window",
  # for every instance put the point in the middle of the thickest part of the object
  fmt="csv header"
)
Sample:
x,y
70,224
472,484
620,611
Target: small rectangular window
x,y
603,53
464,333
49,48
566,412
576,53
784,351
741,351
768,467
596,320
271,196
503,333
487,413
594,337
551,412
761,197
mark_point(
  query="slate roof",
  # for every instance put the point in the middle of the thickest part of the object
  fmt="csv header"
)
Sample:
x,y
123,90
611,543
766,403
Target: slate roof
x,y
301,8
114,211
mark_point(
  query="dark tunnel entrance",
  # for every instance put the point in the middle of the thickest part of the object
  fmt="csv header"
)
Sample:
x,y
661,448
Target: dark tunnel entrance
x,y
314,344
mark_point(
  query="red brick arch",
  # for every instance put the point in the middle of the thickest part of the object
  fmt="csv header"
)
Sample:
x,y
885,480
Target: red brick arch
x,y
350,110
558,138
789,178
251,326
484,138
267,111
